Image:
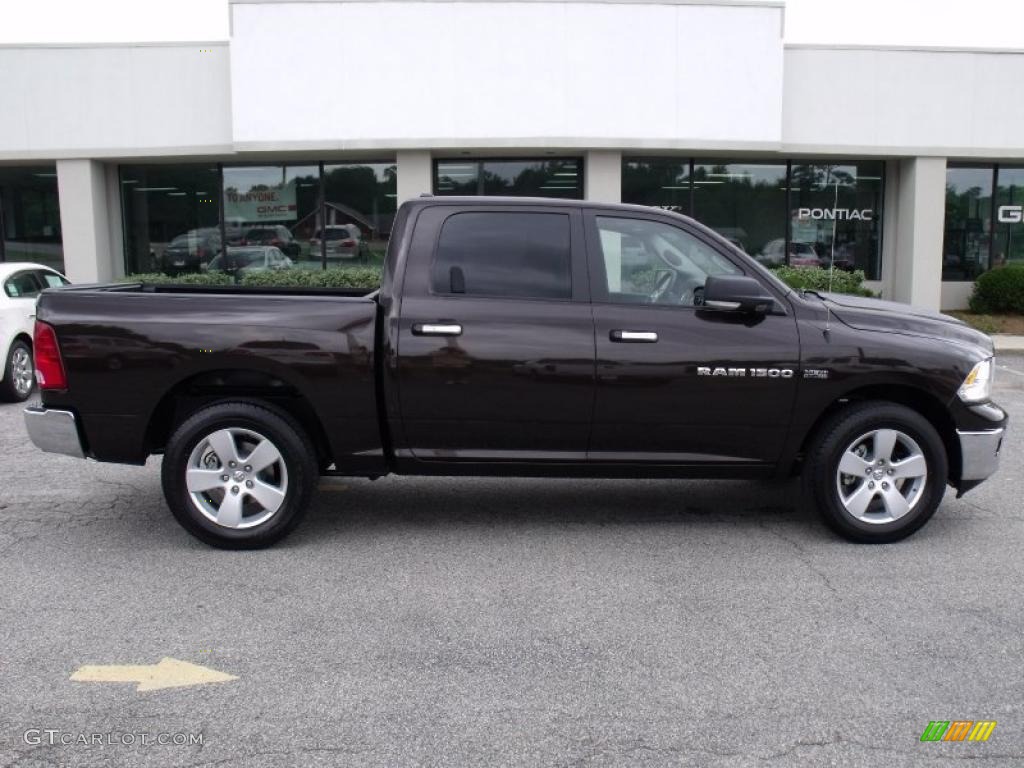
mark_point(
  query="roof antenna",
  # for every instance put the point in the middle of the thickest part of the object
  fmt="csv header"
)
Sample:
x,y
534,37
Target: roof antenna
x,y
832,258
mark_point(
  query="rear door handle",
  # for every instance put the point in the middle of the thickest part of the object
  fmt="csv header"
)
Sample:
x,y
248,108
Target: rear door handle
x,y
437,329
640,337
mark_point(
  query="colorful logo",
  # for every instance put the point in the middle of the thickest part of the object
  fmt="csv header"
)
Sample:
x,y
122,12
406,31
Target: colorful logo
x,y
958,730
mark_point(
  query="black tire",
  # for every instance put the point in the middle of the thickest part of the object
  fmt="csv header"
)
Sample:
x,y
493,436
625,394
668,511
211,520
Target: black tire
x,y
293,474
9,387
823,482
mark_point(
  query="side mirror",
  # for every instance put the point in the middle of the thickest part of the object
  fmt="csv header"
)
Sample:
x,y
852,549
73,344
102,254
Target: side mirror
x,y
737,293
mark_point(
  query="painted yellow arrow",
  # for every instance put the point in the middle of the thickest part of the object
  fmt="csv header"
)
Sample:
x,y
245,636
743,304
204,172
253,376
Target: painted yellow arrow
x,y
168,673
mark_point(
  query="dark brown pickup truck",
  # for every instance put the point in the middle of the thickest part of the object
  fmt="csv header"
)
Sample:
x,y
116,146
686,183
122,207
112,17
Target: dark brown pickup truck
x,y
520,337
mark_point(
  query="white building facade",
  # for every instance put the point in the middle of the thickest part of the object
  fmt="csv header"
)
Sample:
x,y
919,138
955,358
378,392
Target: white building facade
x,y
907,163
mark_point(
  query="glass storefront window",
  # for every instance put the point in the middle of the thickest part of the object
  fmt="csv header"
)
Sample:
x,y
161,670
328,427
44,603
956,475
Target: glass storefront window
x,y
1009,228
837,207
968,234
170,217
526,177
30,216
760,207
271,216
745,203
659,181
264,204
360,201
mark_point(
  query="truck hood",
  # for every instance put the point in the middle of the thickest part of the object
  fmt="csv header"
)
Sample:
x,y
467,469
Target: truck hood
x,y
891,316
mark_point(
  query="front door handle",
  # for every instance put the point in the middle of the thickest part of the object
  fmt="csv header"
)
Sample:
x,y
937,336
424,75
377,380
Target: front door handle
x,y
437,329
641,337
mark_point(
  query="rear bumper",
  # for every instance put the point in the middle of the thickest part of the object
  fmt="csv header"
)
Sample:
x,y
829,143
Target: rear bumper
x,y
979,453
54,431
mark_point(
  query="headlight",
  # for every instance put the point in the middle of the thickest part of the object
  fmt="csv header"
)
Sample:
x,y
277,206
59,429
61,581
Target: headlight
x,y
978,384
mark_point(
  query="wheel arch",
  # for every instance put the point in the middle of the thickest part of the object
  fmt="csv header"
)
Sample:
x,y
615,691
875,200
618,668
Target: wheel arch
x,y
251,385
14,338
915,398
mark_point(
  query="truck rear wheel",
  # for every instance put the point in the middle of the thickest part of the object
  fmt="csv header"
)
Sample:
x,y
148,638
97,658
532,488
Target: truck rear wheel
x,y
877,472
239,476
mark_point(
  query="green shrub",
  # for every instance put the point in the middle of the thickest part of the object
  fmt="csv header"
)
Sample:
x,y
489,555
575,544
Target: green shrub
x,y
817,279
192,278
357,278
367,278
999,290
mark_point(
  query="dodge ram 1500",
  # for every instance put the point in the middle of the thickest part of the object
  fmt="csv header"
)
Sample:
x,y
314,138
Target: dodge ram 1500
x,y
520,337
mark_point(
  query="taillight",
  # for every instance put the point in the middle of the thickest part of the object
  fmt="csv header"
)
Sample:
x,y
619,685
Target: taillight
x,y
276,243
200,252
49,366
348,243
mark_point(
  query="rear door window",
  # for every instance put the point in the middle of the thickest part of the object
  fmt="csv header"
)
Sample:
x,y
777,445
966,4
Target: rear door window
x,y
504,254
22,285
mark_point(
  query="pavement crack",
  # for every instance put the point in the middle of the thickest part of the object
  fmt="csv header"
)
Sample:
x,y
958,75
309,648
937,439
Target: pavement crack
x,y
803,556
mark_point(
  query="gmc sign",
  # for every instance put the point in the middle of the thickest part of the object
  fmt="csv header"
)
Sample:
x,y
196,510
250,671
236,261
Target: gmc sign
x,y
1010,214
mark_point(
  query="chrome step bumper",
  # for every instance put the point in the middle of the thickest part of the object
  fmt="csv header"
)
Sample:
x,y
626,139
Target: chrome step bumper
x,y
54,431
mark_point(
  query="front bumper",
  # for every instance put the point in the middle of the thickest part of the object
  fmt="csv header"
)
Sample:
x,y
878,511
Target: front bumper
x,y
54,431
979,452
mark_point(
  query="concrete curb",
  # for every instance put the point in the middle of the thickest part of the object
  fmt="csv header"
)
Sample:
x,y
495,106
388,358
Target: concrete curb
x,y
1005,342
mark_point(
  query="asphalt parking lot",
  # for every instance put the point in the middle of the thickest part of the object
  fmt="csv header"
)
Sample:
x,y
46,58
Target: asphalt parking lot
x,y
508,622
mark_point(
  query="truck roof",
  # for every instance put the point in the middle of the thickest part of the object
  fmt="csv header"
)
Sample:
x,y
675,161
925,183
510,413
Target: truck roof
x,y
485,200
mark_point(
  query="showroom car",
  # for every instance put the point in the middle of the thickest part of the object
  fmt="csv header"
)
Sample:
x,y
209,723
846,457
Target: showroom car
x,y
189,251
276,235
344,241
244,259
800,254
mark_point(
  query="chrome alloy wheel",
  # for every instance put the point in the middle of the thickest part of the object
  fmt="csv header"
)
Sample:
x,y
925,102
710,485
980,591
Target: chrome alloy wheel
x,y
22,373
236,478
881,476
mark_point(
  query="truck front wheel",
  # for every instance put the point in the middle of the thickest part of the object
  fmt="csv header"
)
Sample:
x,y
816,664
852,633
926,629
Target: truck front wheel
x,y
239,476
877,472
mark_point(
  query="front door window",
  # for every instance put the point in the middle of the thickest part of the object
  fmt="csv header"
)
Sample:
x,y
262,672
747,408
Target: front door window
x,y
650,262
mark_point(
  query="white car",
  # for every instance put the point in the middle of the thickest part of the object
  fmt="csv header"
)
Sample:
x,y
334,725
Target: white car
x,y
20,285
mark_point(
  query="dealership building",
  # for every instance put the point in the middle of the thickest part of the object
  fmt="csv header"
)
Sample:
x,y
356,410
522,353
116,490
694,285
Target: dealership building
x,y
317,118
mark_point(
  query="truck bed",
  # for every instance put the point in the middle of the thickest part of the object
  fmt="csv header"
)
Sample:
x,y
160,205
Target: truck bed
x,y
136,353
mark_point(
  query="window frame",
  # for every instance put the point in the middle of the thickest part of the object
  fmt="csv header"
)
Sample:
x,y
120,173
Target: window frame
x,y
433,218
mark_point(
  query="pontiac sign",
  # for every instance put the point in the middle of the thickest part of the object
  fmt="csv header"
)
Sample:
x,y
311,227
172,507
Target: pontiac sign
x,y
835,214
